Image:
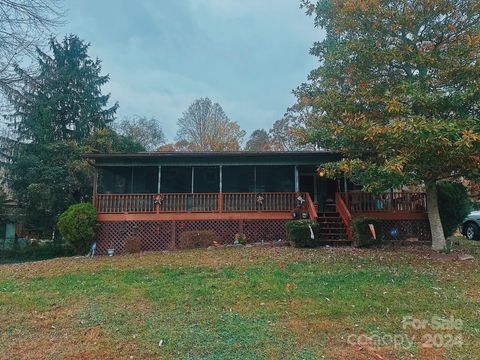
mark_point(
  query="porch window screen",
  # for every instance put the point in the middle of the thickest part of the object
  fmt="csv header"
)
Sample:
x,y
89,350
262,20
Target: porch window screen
x,y
114,180
275,179
206,179
176,179
145,179
238,179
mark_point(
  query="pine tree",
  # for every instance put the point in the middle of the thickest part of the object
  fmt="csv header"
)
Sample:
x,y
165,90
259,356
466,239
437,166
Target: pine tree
x,y
64,100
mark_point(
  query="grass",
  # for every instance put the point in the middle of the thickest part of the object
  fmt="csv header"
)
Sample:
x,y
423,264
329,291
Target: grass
x,y
252,303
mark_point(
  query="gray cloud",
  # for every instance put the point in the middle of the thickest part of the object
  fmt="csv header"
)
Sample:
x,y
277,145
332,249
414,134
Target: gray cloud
x,y
161,55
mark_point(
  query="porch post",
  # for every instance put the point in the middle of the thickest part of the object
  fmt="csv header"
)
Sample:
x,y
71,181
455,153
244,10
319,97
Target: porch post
x,y
297,181
345,185
159,179
95,182
220,187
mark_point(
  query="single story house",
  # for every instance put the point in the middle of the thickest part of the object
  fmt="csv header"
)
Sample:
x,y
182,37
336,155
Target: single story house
x,y
158,195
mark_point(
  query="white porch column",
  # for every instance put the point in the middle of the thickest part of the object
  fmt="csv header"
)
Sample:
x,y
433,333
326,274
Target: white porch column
x,y
297,180
220,185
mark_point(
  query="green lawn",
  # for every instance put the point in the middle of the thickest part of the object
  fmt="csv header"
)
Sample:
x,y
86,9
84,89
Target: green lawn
x,y
251,303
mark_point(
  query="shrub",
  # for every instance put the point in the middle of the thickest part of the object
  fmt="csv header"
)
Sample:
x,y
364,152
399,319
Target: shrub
x,y
361,234
34,252
453,204
77,226
133,245
197,239
298,232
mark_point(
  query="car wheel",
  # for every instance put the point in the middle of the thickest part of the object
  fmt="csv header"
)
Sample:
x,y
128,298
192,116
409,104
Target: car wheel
x,y
472,231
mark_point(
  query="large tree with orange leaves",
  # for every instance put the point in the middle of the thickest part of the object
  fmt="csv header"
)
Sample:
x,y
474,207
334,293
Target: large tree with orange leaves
x,y
398,92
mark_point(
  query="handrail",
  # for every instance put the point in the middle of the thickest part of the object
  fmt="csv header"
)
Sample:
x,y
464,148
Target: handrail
x,y
345,214
195,202
265,201
312,212
362,202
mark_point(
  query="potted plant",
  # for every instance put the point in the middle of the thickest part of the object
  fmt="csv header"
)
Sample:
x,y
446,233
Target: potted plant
x,y
240,238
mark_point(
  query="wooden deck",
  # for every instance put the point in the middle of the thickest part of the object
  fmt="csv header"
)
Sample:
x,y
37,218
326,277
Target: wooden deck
x,y
201,206
382,206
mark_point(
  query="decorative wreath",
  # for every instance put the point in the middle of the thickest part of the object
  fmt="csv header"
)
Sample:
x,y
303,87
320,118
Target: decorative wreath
x,y
260,199
158,200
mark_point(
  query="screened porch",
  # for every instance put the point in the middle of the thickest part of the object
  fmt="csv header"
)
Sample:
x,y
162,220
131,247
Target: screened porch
x,y
198,189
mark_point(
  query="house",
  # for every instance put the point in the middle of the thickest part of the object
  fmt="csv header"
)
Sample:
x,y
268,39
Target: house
x,y
158,196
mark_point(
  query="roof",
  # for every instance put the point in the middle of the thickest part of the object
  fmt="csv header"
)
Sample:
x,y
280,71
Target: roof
x,y
204,153
214,158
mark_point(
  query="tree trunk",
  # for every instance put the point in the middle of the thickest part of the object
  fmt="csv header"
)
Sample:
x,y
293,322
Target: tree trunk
x,y
438,237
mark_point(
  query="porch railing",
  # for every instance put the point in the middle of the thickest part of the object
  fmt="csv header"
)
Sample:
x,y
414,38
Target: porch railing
x,y
357,201
197,202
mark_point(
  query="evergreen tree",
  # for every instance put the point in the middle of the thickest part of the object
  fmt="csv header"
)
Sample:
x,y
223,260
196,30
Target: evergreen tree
x,y
64,100
60,114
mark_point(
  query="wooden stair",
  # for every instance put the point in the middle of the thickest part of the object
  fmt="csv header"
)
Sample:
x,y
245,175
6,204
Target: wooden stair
x,y
332,230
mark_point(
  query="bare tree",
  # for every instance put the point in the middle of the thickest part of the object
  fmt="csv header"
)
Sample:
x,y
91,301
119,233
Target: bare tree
x,y
206,127
147,132
24,26
259,140
288,134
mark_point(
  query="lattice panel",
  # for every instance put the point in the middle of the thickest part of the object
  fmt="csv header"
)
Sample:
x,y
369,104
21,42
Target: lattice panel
x,y
406,229
225,229
266,230
164,235
154,235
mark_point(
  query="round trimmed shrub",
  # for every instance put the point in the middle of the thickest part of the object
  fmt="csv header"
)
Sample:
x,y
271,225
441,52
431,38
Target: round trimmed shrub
x,y
298,232
361,233
77,226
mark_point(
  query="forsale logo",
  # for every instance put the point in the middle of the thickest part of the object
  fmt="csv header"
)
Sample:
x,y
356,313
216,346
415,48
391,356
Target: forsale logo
x,y
435,323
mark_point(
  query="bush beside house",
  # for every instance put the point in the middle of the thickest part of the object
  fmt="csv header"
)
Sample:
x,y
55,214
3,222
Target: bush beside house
x,y
361,233
198,239
77,226
299,232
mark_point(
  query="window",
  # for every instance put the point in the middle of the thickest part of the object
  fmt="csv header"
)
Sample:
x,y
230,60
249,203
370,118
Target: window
x,y
206,179
275,179
145,179
238,179
176,179
114,180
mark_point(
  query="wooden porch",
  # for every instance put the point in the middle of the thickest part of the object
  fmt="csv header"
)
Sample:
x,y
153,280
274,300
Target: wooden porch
x,y
383,206
202,206
269,205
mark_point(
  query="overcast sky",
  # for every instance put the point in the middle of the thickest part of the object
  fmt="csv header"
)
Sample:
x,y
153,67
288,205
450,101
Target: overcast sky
x,y
161,55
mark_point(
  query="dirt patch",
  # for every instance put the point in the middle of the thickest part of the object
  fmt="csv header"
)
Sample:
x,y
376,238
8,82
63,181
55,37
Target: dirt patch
x,y
355,352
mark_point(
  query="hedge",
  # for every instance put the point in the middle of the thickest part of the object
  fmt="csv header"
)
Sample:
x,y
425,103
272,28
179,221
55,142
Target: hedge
x,y
298,232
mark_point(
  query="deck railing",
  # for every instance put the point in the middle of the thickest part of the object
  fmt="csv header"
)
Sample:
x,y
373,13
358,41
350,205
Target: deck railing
x,y
362,202
241,202
197,202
